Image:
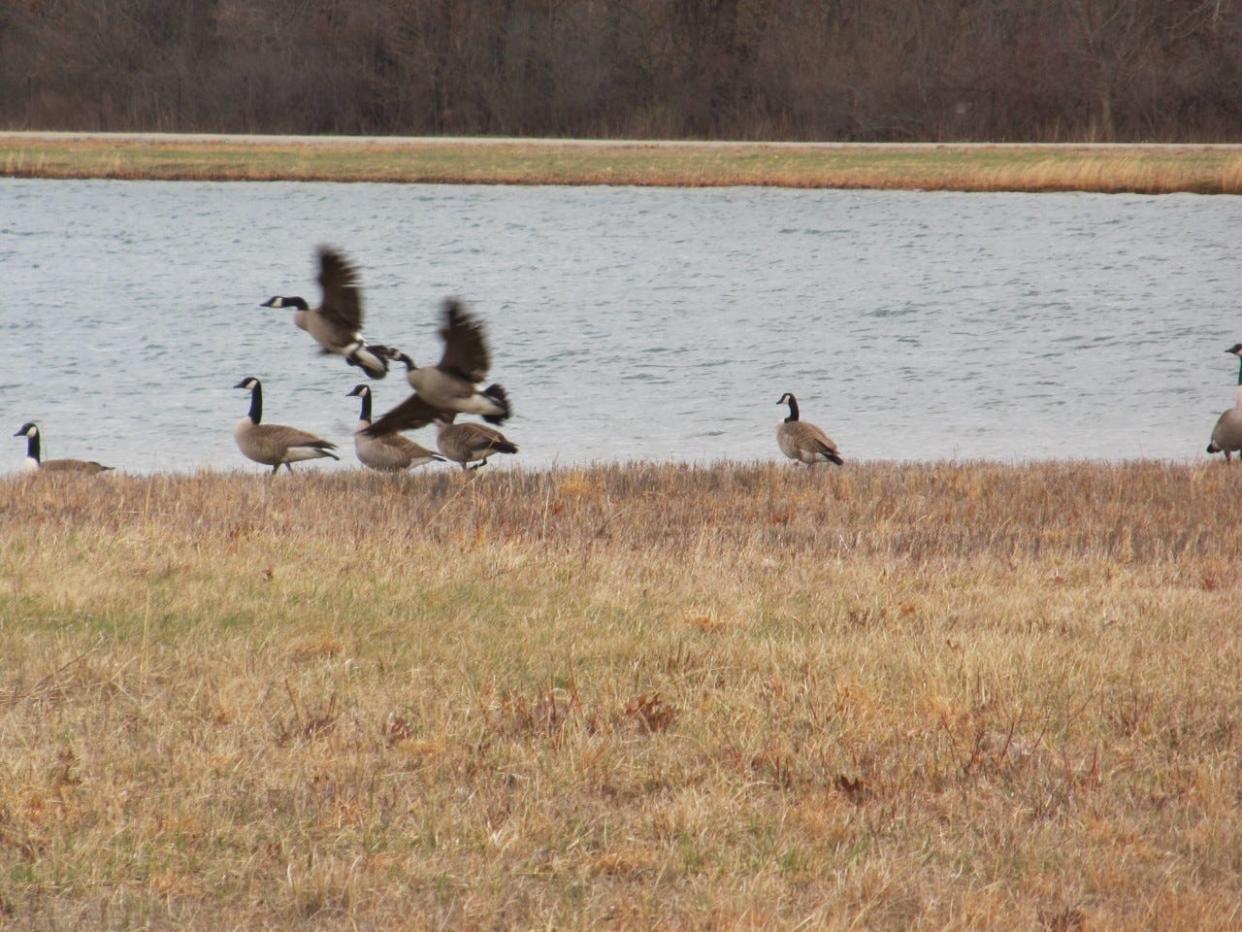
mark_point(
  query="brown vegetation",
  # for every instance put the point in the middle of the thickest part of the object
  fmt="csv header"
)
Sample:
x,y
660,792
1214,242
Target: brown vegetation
x,y
1143,169
1057,70
739,695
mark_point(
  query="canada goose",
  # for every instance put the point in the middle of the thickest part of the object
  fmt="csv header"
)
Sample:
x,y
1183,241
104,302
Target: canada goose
x,y
33,461
1227,434
337,322
391,452
272,444
804,442
450,386
468,442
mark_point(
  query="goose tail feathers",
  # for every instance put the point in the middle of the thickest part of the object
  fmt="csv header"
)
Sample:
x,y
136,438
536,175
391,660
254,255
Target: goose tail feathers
x,y
498,396
373,360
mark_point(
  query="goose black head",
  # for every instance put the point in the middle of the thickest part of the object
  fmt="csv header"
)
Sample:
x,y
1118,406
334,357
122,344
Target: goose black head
x,y
29,429
1235,350
787,398
362,390
249,383
396,355
280,301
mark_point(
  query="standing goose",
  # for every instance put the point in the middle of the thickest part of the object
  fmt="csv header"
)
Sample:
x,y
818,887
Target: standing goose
x,y
804,442
391,452
272,444
470,443
337,322
34,462
1227,434
452,385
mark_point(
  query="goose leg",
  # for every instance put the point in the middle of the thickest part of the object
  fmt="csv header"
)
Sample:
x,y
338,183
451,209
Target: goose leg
x,y
479,465
276,469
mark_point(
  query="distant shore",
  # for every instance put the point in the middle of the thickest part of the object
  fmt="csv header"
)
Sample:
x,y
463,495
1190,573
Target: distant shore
x,y
1104,168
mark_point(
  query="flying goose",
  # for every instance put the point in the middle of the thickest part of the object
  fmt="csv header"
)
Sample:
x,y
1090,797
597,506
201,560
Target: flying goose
x,y
33,461
337,322
452,385
1227,434
804,442
468,443
391,452
272,444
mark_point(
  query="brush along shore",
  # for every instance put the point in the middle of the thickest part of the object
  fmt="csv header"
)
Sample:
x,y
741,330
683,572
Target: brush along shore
x,y
737,695
1148,169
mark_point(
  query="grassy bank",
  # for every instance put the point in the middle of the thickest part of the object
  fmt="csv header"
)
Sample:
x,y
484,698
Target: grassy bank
x,y
1146,169
752,695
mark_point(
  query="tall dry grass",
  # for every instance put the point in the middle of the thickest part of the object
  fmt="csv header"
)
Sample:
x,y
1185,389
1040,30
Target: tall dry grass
x,y
1036,168
947,695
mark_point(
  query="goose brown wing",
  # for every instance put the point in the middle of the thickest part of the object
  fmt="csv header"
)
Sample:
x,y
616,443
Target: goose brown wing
x,y
465,347
404,446
279,435
480,437
342,301
86,466
817,437
410,414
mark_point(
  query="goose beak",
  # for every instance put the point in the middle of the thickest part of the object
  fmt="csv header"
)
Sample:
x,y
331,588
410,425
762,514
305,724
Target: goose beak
x,y
241,384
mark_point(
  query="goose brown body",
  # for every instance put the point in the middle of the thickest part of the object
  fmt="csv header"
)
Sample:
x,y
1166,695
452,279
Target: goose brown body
x,y
451,386
1227,434
35,462
275,445
471,443
85,467
802,441
336,324
388,452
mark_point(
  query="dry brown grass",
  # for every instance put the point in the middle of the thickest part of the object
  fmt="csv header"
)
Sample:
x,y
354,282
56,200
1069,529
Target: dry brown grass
x,y
944,695
1137,168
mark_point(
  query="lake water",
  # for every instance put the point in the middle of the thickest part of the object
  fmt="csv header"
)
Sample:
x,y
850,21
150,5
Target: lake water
x,y
627,322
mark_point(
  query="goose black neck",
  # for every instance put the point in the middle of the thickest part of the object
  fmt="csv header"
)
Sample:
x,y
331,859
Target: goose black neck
x,y
256,404
793,409
365,415
32,447
405,358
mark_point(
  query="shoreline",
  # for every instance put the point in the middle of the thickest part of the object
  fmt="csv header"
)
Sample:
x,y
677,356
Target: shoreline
x,y
977,167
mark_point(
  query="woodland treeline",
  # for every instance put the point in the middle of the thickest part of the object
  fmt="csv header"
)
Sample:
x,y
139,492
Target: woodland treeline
x,y
1058,70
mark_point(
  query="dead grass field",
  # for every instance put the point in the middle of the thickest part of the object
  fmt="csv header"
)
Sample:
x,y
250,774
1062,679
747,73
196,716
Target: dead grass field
x,y
737,696
1133,168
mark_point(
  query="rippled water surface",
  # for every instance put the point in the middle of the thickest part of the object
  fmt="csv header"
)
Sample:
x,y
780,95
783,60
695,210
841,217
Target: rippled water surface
x,y
630,323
